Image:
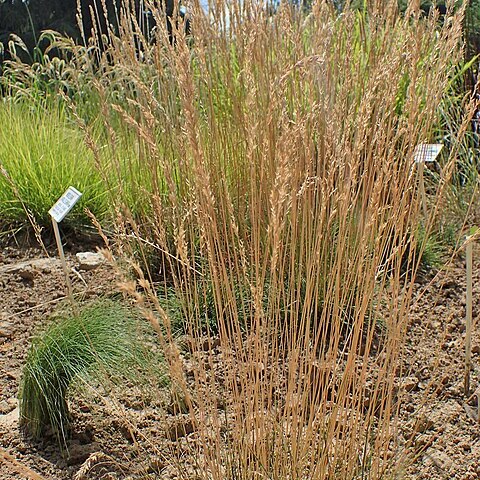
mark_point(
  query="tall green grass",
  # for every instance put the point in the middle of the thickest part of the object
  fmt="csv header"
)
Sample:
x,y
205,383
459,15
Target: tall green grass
x,y
42,153
444,229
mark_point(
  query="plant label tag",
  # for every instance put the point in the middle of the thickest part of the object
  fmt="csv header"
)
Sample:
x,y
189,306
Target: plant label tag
x,y
427,152
64,204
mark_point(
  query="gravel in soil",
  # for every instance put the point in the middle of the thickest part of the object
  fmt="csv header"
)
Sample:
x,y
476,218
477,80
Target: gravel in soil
x,y
438,421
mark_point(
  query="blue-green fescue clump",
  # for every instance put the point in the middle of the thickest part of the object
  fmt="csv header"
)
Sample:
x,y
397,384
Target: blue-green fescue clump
x,y
102,339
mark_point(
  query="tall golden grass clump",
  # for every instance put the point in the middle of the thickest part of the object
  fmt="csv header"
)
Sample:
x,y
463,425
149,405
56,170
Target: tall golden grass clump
x,y
279,199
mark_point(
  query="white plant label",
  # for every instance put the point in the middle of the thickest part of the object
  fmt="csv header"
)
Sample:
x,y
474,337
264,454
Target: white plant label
x,y
64,204
427,152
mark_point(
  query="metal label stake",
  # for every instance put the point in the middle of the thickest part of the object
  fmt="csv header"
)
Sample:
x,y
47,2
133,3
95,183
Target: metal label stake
x,y
58,212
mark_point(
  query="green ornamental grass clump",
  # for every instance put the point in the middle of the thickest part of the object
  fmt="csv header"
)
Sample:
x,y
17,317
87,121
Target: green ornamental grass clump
x,y
98,341
41,155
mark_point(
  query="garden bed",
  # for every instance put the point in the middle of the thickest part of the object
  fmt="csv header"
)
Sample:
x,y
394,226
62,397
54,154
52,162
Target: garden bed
x,y
123,437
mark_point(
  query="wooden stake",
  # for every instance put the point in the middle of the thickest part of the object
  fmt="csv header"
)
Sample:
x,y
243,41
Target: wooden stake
x,y
62,259
423,194
468,334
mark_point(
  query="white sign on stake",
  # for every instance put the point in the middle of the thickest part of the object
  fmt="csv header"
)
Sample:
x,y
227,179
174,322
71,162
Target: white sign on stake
x,y
427,152
64,204
58,212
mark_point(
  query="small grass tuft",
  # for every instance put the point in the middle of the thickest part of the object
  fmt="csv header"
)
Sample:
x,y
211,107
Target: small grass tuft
x,y
79,347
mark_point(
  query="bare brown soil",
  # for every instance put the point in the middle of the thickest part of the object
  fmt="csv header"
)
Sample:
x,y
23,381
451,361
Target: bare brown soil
x,y
442,419
438,425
